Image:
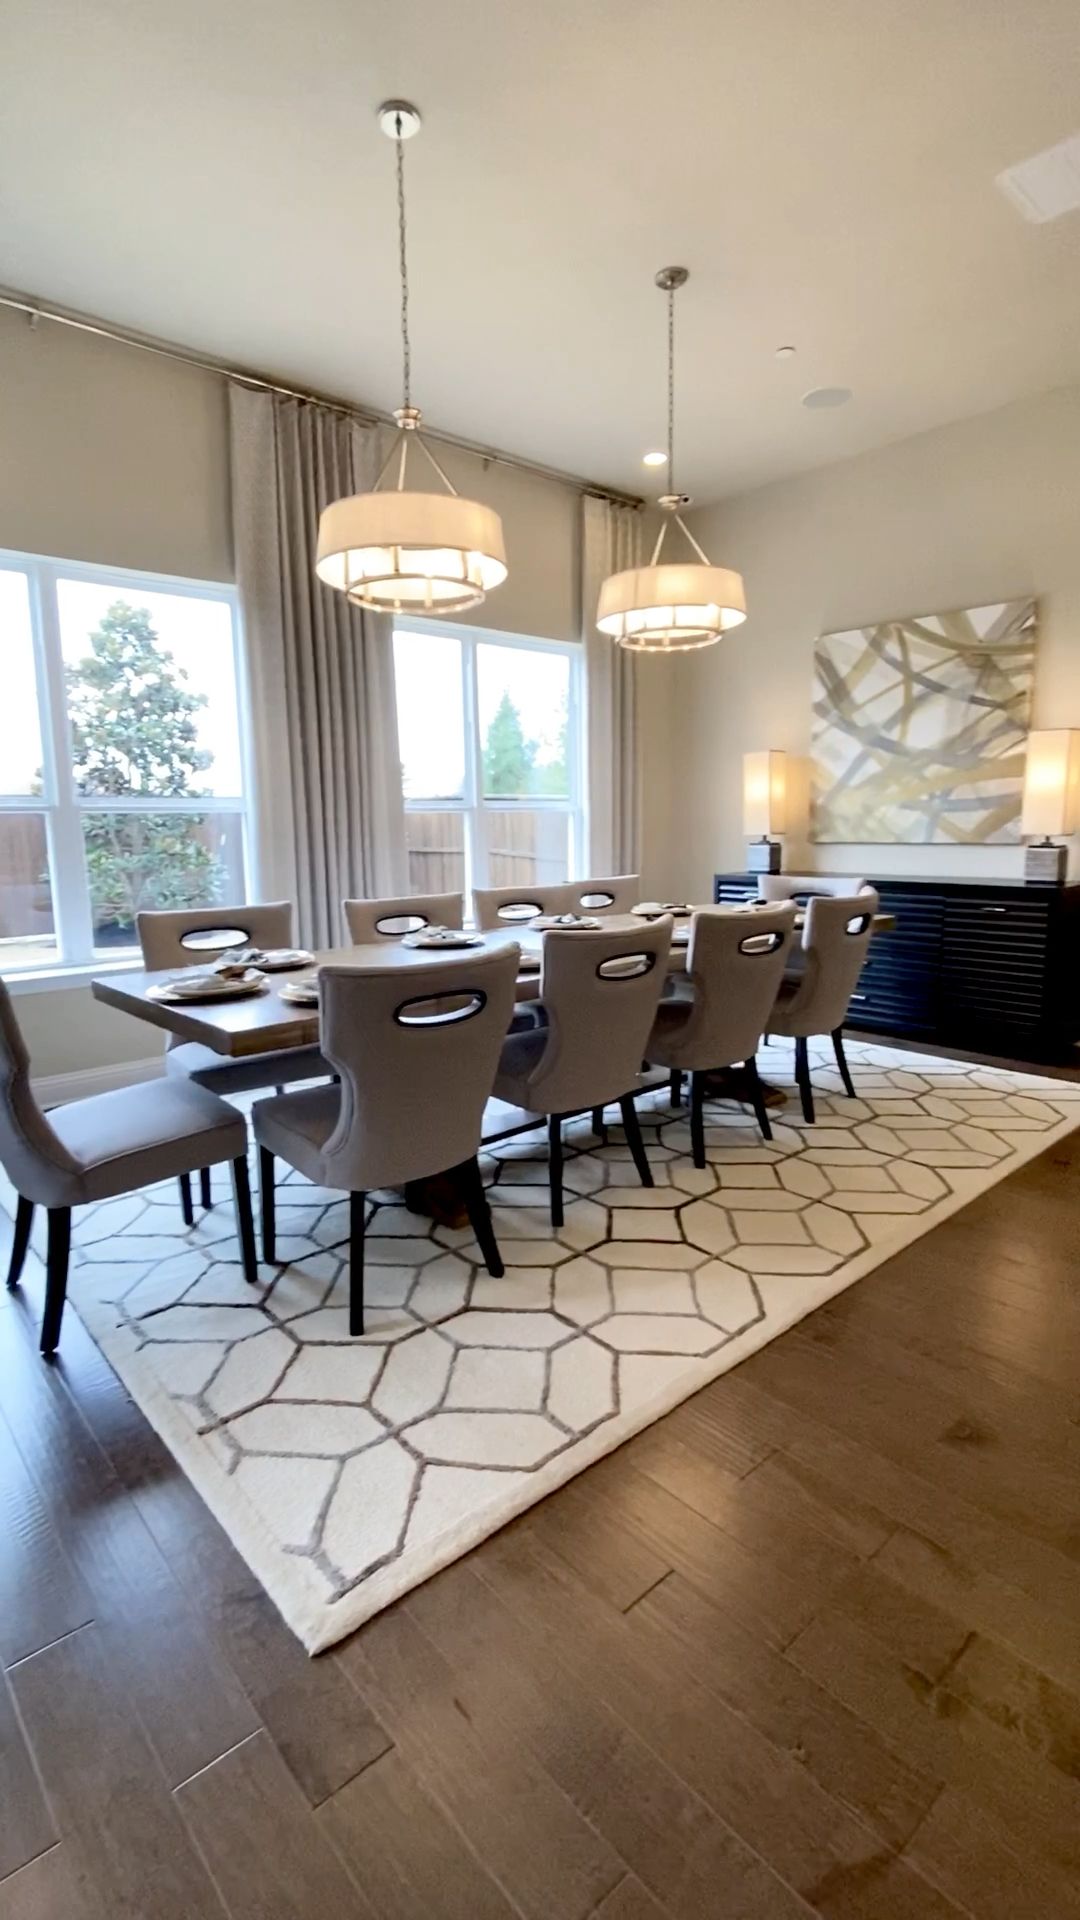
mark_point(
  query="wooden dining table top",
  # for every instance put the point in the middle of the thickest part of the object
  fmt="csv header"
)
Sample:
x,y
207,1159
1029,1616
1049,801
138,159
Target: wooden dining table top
x,y
265,1023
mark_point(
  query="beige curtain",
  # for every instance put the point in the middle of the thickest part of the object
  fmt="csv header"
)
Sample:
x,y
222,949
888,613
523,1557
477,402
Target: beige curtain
x,y
611,539
326,770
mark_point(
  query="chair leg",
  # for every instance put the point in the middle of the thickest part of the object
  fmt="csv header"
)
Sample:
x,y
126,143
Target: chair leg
x,y
56,1277
245,1225
598,1126
697,1119
467,1178
205,1196
266,1203
24,1220
802,1077
841,1061
555,1162
632,1130
184,1183
757,1097
676,1086
357,1210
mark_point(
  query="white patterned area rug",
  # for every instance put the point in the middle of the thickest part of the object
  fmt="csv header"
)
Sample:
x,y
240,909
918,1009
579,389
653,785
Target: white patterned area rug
x,y
347,1471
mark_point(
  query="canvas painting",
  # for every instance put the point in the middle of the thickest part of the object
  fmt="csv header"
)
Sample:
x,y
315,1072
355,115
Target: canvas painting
x,y
920,726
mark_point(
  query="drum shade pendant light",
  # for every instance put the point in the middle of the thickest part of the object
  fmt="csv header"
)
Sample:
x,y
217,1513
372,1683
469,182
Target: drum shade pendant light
x,y
395,550
672,607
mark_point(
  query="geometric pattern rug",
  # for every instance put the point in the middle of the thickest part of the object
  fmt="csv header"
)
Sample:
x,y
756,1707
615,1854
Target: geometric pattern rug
x,y
347,1471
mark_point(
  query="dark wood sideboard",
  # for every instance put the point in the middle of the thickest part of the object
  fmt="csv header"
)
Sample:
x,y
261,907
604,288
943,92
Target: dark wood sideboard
x,y
989,964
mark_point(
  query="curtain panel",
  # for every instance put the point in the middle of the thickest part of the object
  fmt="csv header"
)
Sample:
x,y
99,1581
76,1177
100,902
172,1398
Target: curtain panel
x,y
325,768
612,539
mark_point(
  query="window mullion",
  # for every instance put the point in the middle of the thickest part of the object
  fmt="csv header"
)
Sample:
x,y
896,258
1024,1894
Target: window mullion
x,y
67,851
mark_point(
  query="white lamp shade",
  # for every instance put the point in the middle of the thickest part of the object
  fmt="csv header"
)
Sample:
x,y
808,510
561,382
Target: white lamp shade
x,y
670,609
1051,783
411,552
764,794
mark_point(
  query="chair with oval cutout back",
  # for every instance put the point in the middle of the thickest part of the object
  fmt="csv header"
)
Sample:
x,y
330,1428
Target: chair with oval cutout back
x,y
416,1051
196,937
835,937
98,1148
368,921
616,895
734,964
510,907
599,989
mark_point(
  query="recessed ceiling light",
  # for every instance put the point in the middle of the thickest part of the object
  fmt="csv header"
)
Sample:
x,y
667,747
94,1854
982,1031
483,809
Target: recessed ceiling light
x,y
656,459
785,353
827,397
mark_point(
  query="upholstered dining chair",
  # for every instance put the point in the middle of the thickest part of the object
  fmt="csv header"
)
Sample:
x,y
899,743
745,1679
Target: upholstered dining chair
x,y
734,965
94,1149
807,886
616,895
599,989
368,921
196,937
510,907
836,934
416,1050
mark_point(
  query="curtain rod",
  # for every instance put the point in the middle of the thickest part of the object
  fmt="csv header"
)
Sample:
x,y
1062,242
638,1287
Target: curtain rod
x,y
38,310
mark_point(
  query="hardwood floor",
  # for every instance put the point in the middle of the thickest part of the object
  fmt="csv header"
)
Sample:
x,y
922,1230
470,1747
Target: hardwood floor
x,y
808,1646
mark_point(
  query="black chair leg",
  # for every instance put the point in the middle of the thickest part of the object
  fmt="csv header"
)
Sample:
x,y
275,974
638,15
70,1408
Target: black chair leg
x,y
469,1182
357,1210
802,1076
555,1161
757,1097
56,1277
676,1086
24,1220
184,1183
598,1126
205,1196
632,1130
266,1203
697,1119
841,1061
245,1225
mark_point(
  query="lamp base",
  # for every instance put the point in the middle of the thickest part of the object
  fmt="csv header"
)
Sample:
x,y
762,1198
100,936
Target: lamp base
x,y
1044,861
763,856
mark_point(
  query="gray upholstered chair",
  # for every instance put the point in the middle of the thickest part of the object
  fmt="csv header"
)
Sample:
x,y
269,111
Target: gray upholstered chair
x,y
510,907
734,964
196,937
836,935
616,895
808,886
367,921
599,990
416,1050
95,1149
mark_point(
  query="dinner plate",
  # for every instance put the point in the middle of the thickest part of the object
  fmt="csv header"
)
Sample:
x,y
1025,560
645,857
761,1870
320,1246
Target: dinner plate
x,y
196,987
655,909
301,993
442,939
564,923
284,959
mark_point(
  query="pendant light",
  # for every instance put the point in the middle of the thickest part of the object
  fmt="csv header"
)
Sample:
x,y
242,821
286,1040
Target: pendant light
x,y
677,606
395,550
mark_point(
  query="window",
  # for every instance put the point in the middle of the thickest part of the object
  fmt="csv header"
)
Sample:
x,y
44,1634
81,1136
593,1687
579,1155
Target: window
x,y
120,759
489,734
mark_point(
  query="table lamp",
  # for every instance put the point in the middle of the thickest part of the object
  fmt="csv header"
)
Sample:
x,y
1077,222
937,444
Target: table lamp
x,y
1051,800
764,808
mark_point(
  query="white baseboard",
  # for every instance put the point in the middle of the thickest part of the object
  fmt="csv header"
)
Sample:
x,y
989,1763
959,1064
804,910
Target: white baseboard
x,y
53,1089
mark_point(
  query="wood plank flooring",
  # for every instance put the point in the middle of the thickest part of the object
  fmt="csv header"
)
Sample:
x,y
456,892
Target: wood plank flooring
x,y
808,1646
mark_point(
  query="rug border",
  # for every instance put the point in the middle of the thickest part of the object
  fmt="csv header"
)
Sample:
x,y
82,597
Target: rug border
x,y
319,1623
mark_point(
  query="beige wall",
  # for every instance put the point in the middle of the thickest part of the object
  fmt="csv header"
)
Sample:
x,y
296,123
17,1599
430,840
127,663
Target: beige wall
x,y
983,510
119,456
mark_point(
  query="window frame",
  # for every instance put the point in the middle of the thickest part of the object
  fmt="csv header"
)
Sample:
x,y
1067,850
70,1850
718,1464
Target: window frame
x,y
59,805
474,806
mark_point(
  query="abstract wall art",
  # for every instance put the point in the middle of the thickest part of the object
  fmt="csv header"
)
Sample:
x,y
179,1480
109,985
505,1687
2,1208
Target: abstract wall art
x,y
919,728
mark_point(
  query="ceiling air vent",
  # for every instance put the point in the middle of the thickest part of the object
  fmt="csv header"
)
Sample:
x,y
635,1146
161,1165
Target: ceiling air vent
x,y
1047,185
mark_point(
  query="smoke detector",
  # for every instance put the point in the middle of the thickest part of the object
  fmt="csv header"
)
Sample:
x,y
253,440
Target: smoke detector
x,y
1047,185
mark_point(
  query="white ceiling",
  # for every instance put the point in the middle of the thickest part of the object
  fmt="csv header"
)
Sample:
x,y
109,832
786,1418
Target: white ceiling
x,y
213,173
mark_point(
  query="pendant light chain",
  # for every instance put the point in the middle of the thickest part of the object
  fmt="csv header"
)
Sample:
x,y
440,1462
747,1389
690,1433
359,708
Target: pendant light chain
x,y
671,389
406,350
